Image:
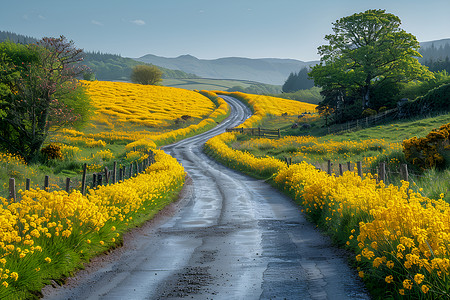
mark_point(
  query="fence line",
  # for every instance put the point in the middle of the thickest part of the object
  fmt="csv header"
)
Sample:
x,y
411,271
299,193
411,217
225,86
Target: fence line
x,y
98,178
261,132
362,123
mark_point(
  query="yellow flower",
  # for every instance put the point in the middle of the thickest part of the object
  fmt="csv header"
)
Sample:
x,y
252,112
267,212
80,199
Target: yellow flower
x,y
418,278
389,279
401,292
407,284
14,275
361,274
5,284
425,288
48,259
102,243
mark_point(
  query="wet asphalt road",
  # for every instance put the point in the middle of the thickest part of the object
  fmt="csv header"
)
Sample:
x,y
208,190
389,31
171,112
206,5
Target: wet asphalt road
x,y
232,237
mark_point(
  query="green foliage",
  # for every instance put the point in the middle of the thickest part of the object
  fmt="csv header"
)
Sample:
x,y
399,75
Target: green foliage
x,y
366,58
311,95
144,74
38,91
435,101
256,88
79,102
298,81
414,89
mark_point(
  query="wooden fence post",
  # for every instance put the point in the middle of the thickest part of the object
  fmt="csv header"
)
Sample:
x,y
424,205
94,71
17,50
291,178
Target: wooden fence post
x,y
114,172
99,179
46,179
94,180
279,134
341,170
27,184
83,180
404,172
106,176
259,131
382,172
349,166
12,189
359,166
67,184
329,167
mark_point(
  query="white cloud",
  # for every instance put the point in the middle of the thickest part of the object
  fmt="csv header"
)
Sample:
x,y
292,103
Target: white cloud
x,y
95,22
138,22
41,17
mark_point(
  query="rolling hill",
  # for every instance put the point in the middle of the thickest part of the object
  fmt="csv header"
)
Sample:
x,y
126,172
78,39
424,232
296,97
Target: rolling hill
x,y
266,70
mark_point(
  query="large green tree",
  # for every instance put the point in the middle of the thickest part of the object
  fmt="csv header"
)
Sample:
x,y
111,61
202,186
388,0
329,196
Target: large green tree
x,y
38,91
368,51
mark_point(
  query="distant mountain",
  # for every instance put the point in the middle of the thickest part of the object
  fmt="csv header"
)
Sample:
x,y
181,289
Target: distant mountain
x,y
435,51
266,70
437,43
105,66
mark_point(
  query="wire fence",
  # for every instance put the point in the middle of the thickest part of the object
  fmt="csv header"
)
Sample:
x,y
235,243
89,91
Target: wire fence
x,y
92,180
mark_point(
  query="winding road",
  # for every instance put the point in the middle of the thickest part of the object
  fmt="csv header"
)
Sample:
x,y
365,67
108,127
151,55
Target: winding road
x,y
229,237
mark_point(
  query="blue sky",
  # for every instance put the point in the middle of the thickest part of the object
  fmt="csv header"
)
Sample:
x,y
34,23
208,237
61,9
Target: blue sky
x,y
210,28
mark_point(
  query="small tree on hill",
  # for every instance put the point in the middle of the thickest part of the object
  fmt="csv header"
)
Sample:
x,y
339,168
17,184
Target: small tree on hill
x,y
144,74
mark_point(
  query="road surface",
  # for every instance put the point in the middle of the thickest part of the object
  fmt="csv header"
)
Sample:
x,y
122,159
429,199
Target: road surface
x,y
229,237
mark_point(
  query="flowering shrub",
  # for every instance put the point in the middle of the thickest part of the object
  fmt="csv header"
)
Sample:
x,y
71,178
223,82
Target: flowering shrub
x,y
430,151
52,151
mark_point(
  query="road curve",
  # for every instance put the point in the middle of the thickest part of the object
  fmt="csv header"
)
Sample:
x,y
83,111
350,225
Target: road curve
x,y
232,237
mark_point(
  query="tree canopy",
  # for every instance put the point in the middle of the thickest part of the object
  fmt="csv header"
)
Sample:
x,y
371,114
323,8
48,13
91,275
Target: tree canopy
x,y
38,91
367,57
144,74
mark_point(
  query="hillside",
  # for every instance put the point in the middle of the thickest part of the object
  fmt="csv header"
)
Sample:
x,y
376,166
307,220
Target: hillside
x,y
266,70
105,66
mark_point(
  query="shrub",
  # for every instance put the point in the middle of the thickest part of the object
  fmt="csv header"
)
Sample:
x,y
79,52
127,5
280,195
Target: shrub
x,y
52,151
430,151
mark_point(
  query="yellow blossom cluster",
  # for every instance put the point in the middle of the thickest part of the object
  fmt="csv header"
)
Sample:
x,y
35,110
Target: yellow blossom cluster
x,y
396,233
430,151
39,233
147,105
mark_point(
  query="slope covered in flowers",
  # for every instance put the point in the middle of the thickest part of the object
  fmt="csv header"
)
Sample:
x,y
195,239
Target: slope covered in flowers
x,y
149,105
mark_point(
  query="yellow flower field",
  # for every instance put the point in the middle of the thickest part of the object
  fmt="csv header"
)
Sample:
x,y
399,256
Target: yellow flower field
x,y
119,103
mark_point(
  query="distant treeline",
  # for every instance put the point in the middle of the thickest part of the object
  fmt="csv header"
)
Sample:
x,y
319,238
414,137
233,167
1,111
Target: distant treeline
x,y
297,81
104,66
16,38
436,58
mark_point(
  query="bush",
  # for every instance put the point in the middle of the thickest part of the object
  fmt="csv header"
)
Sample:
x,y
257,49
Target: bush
x,y
52,151
436,100
432,151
